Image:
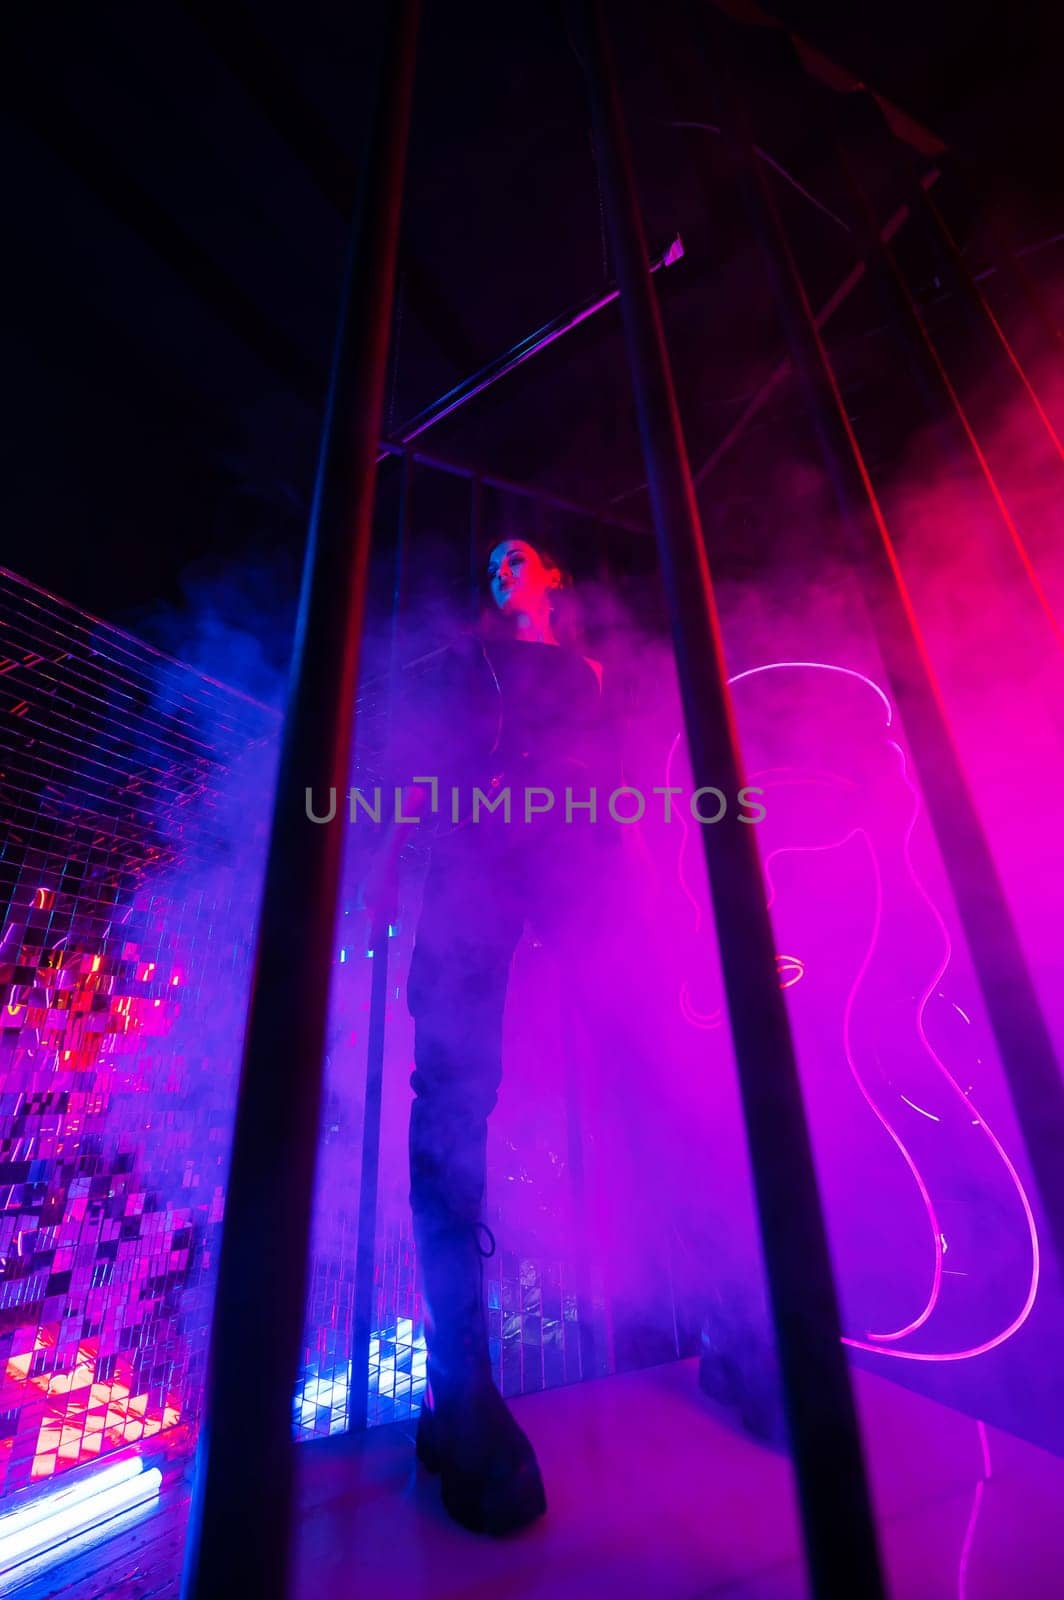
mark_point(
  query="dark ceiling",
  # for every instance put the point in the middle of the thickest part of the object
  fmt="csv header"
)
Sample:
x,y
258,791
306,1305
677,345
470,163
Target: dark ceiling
x,y
178,196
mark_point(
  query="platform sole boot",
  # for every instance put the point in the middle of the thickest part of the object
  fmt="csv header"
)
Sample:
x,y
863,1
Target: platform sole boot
x,y
489,1477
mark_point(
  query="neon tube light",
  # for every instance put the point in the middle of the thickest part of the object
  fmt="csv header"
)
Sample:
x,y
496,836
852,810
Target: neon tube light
x,y
53,1519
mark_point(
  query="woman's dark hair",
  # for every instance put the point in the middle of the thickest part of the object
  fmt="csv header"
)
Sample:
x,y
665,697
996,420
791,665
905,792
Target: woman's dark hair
x,y
566,617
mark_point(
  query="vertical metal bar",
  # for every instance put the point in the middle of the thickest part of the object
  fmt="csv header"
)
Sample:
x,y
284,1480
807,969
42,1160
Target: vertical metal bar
x,y
1020,1030
240,1536
833,1489
380,933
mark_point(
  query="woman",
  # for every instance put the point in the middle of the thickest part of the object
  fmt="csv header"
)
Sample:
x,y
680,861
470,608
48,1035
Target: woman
x,y
521,711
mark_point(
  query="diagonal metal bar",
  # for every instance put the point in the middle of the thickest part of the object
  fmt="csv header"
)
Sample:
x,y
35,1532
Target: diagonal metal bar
x,y
835,1500
516,357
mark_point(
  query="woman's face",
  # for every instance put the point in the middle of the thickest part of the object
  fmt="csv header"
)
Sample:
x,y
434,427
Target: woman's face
x,y
519,579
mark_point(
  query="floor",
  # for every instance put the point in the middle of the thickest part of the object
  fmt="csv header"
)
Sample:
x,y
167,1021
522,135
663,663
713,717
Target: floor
x,y
652,1491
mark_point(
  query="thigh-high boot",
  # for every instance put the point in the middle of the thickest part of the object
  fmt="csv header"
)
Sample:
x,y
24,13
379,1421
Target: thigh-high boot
x,y
489,1476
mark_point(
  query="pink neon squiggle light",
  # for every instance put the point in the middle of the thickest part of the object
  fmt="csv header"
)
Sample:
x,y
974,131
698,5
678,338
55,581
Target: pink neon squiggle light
x,y
708,1020
691,1014
930,1115
978,1121
680,875
714,1019
833,780
823,779
985,1442
820,666
973,1518
925,1194
782,962
999,1149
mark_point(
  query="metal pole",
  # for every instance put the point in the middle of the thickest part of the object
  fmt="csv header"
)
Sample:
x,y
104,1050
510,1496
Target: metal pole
x,y
1020,1030
516,357
833,1489
379,936
241,1523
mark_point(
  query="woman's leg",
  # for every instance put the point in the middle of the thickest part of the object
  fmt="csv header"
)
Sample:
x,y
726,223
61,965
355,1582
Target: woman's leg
x,y
456,992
